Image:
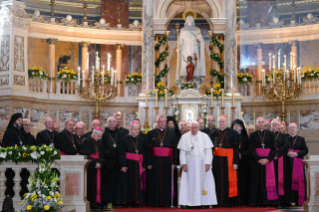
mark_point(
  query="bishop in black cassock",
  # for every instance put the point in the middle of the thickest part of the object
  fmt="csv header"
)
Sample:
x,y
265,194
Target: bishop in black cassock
x,y
263,189
131,189
225,163
243,166
110,161
14,135
296,149
90,147
161,158
49,135
66,142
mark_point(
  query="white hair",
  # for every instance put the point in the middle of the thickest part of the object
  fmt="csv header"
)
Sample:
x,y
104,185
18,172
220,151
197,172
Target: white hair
x,y
251,125
195,122
275,120
77,124
95,130
160,116
110,118
24,120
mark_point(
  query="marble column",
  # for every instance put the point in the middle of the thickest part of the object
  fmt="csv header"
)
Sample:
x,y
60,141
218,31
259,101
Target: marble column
x,y
259,69
85,50
230,62
52,68
148,47
294,53
118,68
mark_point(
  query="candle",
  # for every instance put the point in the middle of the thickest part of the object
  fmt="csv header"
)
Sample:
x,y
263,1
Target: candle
x,y
93,75
112,76
96,59
293,60
83,78
269,61
146,98
274,61
278,59
290,59
284,73
166,105
274,76
263,78
294,74
108,61
98,64
87,62
79,76
156,97
115,76
285,62
212,97
233,95
103,77
222,97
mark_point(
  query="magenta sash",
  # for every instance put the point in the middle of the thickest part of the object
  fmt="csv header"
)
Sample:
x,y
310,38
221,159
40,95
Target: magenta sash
x,y
98,179
298,179
162,152
139,158
270,174
62,153
281,190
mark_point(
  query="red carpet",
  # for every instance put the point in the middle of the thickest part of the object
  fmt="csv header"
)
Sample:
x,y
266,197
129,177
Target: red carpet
x,y
238,209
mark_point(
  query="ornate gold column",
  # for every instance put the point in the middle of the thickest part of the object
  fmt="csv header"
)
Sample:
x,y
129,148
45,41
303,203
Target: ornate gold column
x,y
294,53
259,69
119,48
52,68
85,50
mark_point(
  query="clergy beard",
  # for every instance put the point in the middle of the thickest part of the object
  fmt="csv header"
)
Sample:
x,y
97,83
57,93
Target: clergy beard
x,y
172,128
16,126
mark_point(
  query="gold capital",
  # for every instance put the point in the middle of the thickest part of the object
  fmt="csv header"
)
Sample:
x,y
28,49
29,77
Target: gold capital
x,y
52,41
84,44
119,46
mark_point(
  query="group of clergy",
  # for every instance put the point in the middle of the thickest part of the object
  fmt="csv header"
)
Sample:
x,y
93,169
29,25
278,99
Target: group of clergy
x,y
225,166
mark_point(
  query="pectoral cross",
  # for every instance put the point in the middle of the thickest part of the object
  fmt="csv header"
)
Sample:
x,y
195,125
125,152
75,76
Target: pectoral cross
x,y
21,143
114,145
263,145
136,151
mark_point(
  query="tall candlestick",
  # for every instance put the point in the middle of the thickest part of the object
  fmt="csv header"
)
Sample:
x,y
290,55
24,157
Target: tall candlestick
x,y
156,97
290,59
96,59
212,97
263,77
222,97
285,62
274,61
79,76
269,61
93,75
166,105
279,60
98,64
115,76
294,74
83,78
284,73
112,77
87,62
108,61
146,98
233,96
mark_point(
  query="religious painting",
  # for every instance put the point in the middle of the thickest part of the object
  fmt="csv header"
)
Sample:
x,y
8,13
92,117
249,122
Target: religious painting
x,y
64,115
4,116
103,118
37,118
53,114
25,112
309,120
129,118
271,115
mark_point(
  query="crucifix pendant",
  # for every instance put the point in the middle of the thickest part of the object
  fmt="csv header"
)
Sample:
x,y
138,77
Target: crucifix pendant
x,y
21,143
114,145
263,145
136,151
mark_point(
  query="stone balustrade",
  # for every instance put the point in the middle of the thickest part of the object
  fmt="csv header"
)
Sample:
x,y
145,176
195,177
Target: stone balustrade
x,y
72,187
312,176
132,90
246,90
38,85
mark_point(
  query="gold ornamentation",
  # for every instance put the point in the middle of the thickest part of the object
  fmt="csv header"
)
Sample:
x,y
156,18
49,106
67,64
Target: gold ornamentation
x,y
204,192
189,12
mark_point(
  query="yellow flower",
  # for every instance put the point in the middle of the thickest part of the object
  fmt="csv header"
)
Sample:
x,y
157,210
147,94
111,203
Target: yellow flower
x,y
48,197
24,155
24,195
16,146
216,86
61,202
29,207
20,203
46,207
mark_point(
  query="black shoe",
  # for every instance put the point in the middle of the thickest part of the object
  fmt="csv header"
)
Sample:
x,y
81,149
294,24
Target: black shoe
x,y
257,206
185,207
280,206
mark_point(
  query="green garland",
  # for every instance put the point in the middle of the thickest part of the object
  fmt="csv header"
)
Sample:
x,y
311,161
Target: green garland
x,y
218,44
219,76
161,42
162,74
218,59
133,78
309,74
37,72
161,58
188,85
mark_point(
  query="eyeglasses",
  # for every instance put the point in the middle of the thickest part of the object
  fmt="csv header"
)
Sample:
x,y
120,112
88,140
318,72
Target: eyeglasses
x,y
292,127
49,122
112,121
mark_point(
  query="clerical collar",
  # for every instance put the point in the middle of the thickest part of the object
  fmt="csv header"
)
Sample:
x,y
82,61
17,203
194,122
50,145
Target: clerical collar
x,y
161,129
261,130
223,129
50,130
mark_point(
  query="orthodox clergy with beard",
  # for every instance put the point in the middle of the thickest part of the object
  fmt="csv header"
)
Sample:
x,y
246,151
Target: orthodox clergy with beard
x,y
110,161
131,185
280,165
14,135
49,135
243,166
296,149
172,124
161,160
66,141
95,123
197,186
262,172
210,125
225,162
90,147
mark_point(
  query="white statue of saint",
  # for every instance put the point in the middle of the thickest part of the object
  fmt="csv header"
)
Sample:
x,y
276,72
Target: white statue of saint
x,y
191,44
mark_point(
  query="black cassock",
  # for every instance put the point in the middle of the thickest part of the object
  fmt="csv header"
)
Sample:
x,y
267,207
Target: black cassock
x,y
124,130
89,147
208,131
243,170
257,189
46,137
87,134
110,162
67,143
298,143
279,143
14,136
228,139
159,177
131,183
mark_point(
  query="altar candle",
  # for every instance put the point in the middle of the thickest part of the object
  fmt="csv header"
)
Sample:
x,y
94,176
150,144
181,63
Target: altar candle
x,y
146,98
108,61
233,95
293,60
115,76
96,59
111,77
166,105
156,96
294,74
284,73
87,62
269,61
103,76
274,76
93,75
274,61
278,59
285,62
263,78
83,78
212,97
222,97
290,59
79,76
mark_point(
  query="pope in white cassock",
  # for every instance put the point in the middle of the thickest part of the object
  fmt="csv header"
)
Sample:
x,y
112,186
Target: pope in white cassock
x,y
197,186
